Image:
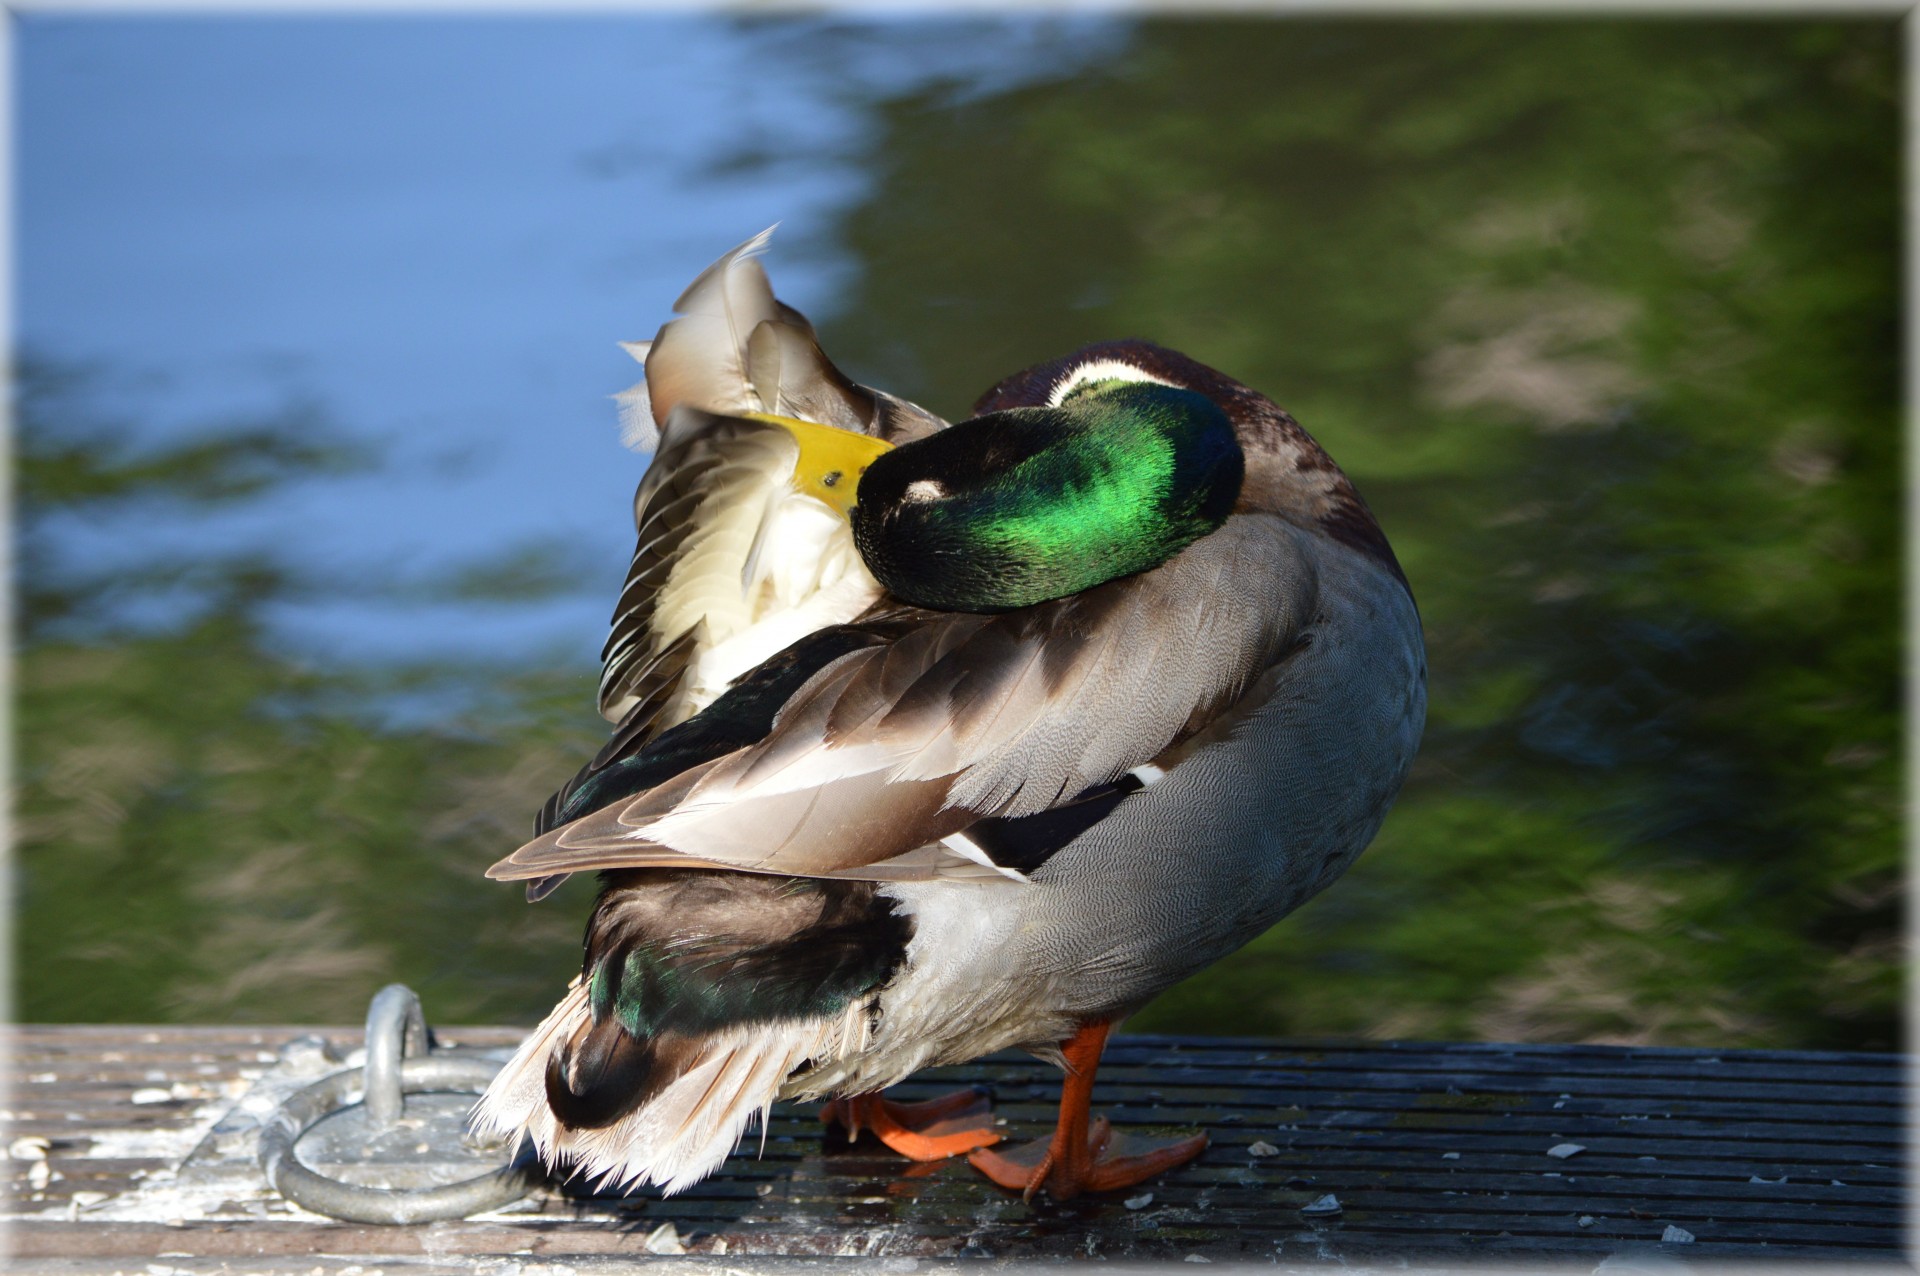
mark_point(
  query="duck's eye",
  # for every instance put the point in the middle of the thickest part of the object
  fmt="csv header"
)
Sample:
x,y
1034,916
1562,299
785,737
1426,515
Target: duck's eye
x,y
830,479
921,490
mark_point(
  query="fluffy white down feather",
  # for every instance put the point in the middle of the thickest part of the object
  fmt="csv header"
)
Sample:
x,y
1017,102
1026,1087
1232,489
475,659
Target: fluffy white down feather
x,y
683,1133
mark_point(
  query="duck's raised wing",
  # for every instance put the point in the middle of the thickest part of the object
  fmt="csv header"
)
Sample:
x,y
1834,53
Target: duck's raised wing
x,y
941,719
701,508
735,351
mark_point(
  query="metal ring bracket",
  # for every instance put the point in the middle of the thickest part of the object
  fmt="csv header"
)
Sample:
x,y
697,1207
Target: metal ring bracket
x,y
398,1064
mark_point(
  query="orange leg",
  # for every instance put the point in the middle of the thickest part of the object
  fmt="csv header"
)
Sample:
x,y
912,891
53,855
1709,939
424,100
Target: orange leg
x,y
1084,1154
926,1131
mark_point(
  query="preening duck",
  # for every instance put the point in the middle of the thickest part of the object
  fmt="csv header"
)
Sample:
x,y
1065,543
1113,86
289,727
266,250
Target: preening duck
x,y
1071,699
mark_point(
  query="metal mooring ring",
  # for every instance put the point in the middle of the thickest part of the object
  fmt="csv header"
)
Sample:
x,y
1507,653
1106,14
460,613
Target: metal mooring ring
x,y
398,1064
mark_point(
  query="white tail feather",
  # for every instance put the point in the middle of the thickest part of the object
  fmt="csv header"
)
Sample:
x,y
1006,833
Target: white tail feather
x,y
684,1132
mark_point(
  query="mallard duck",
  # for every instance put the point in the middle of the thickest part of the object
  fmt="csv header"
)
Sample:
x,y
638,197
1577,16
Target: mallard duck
x,y
936,740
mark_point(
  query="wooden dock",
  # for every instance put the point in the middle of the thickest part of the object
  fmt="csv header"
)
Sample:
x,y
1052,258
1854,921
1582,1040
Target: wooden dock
x,y
131,1149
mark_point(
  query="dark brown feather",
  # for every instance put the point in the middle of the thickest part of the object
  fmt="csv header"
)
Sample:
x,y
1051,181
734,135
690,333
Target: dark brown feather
x,y
673,957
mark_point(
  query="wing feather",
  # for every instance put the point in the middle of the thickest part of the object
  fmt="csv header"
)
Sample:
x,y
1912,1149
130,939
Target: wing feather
x,y
700,358
794,377
734,348
961,717
696,526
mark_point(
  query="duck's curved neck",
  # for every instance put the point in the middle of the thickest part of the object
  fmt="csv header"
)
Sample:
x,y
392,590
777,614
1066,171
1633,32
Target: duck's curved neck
x,y
1021,506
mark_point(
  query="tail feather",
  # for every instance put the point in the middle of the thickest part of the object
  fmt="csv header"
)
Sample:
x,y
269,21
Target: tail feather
x,y
689,1124
602,1074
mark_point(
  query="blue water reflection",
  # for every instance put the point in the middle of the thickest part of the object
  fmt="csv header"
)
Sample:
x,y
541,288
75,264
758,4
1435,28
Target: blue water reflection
x,y
322,505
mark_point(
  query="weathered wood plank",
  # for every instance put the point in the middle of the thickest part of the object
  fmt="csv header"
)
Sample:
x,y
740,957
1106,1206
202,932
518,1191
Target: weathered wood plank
x,y
1438,1151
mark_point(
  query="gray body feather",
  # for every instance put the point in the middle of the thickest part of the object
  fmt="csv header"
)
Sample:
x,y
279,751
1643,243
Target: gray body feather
x,y
1258,816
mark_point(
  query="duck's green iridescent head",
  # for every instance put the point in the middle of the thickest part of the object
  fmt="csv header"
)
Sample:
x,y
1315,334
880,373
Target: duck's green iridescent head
x,y
1017,507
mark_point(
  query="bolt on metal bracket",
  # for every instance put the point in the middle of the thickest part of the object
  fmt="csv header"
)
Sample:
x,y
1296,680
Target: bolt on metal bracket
x,y
368,1127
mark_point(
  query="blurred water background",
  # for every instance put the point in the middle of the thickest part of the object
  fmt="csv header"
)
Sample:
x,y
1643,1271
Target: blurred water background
x,y
320,506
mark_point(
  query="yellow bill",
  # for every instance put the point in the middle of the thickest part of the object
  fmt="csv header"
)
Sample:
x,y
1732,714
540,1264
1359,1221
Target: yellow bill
x,y
831,460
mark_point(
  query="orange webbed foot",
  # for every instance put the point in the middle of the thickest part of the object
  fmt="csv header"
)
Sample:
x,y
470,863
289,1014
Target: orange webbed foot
x,y
1111,1160
1085,1154
930,1130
